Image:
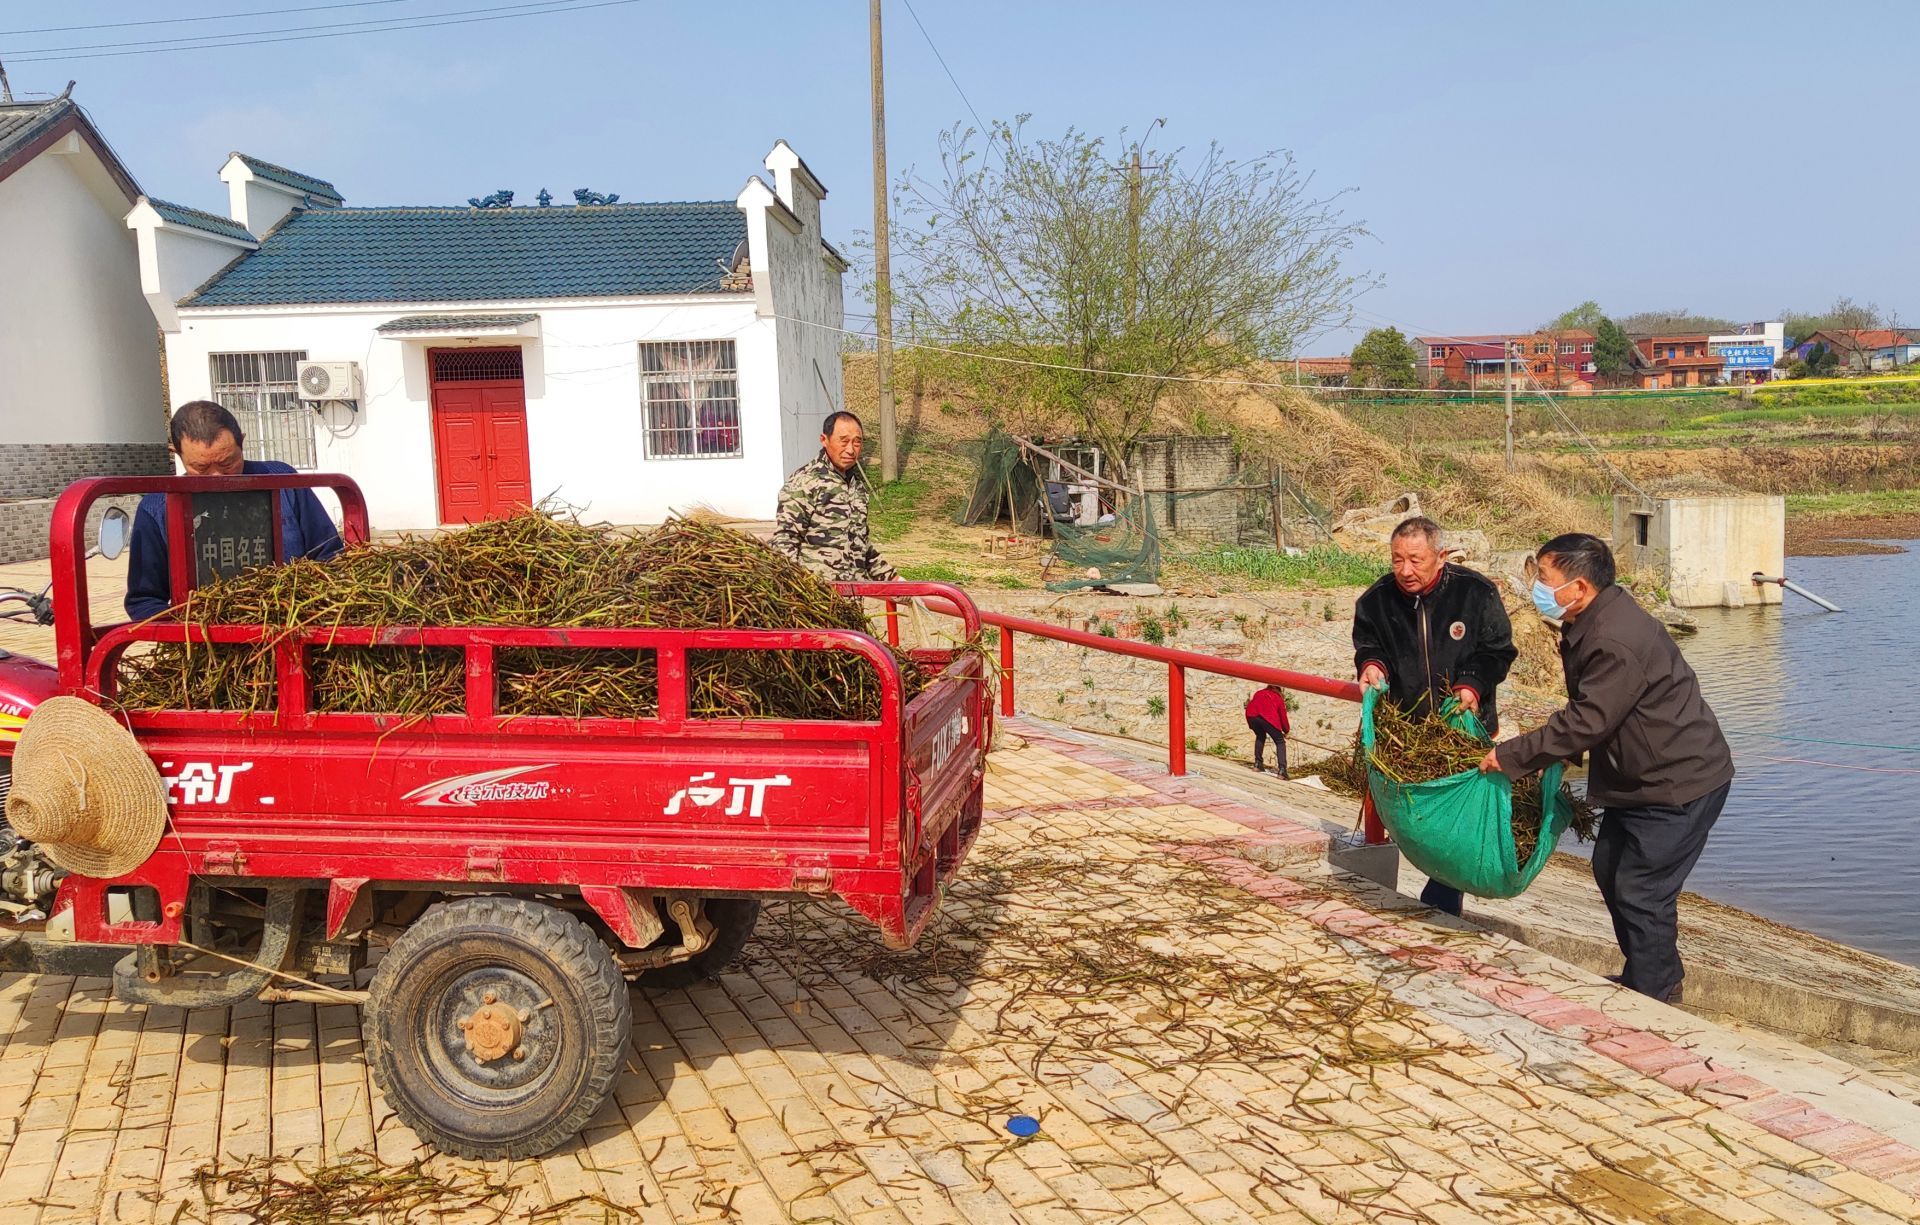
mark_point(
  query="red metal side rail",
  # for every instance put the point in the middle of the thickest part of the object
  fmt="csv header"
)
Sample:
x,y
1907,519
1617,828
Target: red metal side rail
x,y
1178,663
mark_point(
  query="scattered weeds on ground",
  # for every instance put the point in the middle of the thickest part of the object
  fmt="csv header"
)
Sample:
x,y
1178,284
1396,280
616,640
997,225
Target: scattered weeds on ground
x,y
1322,566
363,1188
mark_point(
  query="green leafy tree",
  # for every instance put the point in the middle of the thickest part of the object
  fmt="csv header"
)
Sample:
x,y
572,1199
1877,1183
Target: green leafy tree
x,y
1822,362
1075,286
1384,358
1612,351
1587,316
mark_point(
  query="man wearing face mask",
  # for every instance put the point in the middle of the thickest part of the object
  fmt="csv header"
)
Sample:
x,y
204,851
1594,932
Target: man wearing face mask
x,y
822,517
1660,767
1428,631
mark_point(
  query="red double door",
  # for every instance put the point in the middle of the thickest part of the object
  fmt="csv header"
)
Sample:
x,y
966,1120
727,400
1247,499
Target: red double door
x,y
480,433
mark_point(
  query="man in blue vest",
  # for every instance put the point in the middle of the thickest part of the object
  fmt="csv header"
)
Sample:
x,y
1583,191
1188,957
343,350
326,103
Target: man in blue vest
x,y
209,443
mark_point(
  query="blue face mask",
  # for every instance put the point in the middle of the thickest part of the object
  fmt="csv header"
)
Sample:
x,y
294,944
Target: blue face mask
x,y
1547,599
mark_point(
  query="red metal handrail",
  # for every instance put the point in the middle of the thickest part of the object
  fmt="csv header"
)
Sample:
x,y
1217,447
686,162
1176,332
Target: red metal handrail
x,y
1178,662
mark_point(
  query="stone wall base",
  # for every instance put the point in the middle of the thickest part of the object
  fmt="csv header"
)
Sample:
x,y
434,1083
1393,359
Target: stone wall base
x,y
43,469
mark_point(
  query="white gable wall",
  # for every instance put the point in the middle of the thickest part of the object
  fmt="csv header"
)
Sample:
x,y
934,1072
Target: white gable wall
x,y
584,417
804,285
79,358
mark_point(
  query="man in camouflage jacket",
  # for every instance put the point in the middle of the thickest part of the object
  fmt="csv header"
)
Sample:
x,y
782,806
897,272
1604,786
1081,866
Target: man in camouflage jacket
x,y
822,520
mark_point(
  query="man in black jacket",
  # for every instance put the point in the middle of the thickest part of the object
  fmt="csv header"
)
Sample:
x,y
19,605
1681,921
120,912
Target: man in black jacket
x,y
1660,767
1431,630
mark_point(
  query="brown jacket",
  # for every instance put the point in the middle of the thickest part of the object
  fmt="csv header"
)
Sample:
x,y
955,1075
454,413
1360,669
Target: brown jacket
x,y
1635,705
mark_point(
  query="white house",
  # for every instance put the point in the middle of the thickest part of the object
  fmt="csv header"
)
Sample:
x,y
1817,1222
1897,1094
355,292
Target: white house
x,y
80,391
630,360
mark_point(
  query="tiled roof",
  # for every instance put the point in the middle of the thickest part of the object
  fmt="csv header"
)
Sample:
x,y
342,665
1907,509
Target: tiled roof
x,y
193,218
21,122
1862,338
317,188
480,255
442,323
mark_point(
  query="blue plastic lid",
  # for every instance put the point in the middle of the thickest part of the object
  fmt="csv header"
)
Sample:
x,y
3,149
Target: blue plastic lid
x,y
1023,1125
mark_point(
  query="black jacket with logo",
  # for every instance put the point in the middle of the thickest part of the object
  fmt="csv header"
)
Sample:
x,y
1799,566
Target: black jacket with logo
x,y
1454,633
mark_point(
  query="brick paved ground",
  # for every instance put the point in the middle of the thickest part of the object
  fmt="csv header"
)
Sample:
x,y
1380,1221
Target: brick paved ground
x,y
1201,1039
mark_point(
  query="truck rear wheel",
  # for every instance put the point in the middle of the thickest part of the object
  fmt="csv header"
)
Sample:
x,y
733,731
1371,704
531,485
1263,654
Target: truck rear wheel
x,y
733,919
496,1026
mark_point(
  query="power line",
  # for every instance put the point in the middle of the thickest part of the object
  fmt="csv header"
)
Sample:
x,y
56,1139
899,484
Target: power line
x,y
166,21
218,40
571,7
943,67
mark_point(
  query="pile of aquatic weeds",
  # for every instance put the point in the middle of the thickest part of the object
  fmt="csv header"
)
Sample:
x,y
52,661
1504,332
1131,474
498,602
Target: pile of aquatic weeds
x,y
535,570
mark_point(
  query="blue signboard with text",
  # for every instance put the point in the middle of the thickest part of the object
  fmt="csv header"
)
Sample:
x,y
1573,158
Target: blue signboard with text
x,y
1747,357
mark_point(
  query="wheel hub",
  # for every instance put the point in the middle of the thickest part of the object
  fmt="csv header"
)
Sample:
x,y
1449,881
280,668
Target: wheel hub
x,y
493,1031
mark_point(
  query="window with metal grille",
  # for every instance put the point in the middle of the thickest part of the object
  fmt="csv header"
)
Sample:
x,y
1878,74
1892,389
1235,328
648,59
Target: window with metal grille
x,y
262,391
476,365
690,390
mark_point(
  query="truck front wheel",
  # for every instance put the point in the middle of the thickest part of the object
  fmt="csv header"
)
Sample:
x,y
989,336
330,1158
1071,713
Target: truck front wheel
x,y
496,1026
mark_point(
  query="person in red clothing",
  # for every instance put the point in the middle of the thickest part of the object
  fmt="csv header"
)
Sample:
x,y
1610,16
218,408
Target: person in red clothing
x,y
1267,716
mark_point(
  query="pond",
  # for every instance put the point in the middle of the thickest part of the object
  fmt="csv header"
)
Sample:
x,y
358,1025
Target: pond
x,y
1822,829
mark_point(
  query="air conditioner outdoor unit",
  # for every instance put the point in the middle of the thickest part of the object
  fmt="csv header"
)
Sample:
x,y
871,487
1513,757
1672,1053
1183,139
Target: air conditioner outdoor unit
x,y
330,381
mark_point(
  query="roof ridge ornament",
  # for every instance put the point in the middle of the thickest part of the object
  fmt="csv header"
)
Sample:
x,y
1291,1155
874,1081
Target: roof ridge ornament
x,y
545,197
582,197
499,199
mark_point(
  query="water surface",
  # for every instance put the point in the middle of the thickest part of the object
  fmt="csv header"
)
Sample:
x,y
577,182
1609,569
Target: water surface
x,y
1821,836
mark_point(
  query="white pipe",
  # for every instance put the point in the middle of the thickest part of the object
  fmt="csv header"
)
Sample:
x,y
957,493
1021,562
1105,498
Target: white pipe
x,y
1789,585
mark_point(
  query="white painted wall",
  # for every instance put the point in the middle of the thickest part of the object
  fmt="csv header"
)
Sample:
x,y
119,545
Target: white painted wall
x,y
805,284
584,419
79,359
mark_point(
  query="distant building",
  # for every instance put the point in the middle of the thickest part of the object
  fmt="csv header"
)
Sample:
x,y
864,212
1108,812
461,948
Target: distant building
x,y
1461,361
1559,360
1864,349
1665,361
1323,371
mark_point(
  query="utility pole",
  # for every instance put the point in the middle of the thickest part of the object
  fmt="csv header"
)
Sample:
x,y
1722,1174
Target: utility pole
x,y
1509,381
1133,225
1133,234
882,273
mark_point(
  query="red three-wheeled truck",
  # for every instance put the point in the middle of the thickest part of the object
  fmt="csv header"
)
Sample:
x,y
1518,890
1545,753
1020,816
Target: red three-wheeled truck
x,y
506,878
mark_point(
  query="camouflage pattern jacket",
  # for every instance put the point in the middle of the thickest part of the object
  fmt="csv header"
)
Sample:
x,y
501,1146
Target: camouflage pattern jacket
x,y
822,524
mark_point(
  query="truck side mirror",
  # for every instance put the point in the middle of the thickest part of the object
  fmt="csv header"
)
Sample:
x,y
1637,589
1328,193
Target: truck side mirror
x,y
113,533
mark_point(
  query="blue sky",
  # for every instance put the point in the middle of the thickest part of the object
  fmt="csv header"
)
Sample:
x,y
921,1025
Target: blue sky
x,y
1509,159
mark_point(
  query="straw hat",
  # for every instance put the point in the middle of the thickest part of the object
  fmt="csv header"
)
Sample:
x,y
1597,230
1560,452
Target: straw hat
x,y
84,791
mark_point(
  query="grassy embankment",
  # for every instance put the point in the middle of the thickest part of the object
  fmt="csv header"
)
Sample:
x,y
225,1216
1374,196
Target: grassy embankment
x,y
1850,449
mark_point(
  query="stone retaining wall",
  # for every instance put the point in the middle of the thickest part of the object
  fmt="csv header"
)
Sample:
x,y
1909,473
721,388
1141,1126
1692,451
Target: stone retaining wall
x,y
1308,632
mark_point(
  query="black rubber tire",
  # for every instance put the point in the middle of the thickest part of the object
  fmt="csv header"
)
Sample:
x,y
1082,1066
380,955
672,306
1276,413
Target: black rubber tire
x,y
733,919
524,952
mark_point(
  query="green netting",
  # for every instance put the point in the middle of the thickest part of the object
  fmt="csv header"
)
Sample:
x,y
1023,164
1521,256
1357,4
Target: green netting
x,y
1126,550
1459,829
1005,486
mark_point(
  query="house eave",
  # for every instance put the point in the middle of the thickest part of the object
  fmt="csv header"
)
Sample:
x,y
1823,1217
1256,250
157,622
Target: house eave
x,y
474,306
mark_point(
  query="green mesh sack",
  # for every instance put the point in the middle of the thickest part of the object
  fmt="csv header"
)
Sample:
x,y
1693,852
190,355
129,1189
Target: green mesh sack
x,y
1459,829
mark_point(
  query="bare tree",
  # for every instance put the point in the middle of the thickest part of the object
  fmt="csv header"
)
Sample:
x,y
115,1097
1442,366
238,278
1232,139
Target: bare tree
x,y
1074,280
